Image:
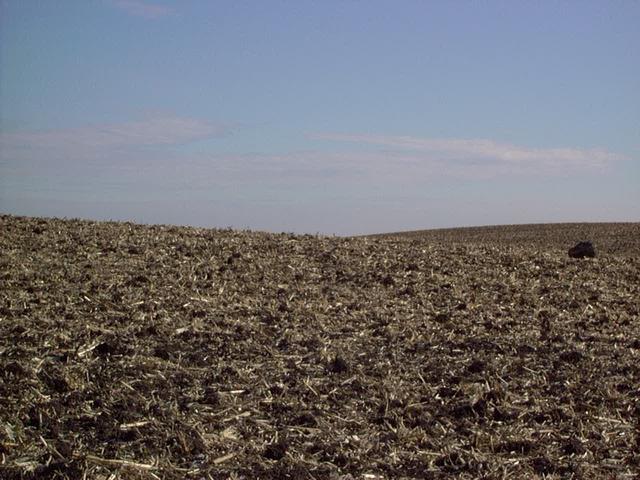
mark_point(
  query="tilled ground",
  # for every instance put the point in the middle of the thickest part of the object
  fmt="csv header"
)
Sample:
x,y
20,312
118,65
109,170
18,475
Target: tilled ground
x,y
139,352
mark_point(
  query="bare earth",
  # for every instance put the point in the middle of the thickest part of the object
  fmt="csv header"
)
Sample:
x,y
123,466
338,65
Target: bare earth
x,y
145,352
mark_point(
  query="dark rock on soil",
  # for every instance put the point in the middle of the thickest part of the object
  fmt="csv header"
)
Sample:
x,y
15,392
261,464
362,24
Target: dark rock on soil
x,y
582,250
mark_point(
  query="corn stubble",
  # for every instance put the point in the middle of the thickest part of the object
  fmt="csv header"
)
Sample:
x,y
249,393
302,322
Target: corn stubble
x,y
136,352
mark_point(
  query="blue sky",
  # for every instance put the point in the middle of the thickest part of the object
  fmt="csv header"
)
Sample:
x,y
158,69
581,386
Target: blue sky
x,y
336,117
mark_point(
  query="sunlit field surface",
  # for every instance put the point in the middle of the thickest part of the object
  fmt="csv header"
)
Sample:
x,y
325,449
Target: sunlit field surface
x,y
135,352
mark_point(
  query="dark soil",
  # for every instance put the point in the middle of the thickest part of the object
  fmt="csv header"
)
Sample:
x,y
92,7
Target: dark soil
x,y
136,352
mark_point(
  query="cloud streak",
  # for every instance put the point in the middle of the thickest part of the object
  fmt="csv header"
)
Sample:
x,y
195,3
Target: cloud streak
x,y
473,155
138,8
399,182
159,131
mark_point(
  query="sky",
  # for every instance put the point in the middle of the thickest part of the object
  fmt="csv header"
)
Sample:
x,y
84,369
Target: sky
x,y
332,117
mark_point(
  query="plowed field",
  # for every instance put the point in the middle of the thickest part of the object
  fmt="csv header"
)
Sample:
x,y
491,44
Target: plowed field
x,y
145,352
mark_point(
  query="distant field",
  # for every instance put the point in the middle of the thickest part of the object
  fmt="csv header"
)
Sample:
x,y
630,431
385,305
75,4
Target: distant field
x,y
609,238
146,352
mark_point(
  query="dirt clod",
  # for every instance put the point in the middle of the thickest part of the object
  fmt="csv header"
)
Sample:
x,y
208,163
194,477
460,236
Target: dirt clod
x,y
338,365
275,451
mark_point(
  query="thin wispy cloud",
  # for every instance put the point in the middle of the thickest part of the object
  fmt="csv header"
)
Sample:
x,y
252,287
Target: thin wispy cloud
x,y
159,131
401,160
463,156
139,8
